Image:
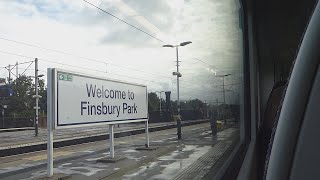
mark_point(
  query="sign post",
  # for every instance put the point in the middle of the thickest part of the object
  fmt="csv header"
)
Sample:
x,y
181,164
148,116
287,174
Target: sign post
x,y
147,134
50,120
50,151
78,100
111,138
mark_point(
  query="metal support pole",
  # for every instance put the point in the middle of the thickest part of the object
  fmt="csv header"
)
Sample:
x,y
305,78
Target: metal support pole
x,y
224,101
9,69
50,149
111,137
178,120
50,118
160,103
37,96
224,94
147,133
2,117
17,71
178,75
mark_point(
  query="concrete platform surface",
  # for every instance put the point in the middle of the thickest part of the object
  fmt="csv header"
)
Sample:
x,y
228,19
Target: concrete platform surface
x,y
189,158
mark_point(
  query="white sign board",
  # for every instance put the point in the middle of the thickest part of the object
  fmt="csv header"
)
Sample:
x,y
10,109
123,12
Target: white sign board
x,y
85,100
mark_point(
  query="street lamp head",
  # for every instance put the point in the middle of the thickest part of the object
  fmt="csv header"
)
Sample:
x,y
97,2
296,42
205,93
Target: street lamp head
x,y
185,43
177,74
168,45
223,75
39,76
181,44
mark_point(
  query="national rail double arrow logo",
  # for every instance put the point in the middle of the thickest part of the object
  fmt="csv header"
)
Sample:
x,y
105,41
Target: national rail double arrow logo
x,y
65,77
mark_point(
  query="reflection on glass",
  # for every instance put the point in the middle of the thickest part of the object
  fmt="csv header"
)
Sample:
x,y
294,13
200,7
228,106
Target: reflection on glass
x,y
187,52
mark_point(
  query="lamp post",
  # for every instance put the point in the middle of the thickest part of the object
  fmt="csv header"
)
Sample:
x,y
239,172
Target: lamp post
x,y
160,109
178,74
3,109
224,93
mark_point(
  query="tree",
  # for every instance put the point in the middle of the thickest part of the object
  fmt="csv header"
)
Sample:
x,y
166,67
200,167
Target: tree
x,y
43,93
153,102
21,103
174,106
194,104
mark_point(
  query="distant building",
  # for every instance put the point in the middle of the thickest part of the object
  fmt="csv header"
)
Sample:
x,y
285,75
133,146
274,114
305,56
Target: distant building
x,y
2,81
6,91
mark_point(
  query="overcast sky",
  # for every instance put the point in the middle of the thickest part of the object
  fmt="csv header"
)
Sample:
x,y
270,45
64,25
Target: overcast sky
x,y
82,32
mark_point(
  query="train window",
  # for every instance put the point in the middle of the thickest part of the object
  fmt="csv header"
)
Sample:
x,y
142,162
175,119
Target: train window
x,y
187,54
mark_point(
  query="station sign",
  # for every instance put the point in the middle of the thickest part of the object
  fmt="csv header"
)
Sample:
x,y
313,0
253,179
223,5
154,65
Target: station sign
x,y
88,100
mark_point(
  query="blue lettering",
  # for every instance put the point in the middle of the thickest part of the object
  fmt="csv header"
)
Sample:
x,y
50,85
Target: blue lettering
x,y
82,106
125,107
93,107
104,109
99,109
91,90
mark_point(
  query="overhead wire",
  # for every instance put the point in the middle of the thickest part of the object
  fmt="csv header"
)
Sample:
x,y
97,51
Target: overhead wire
x,y
101,61
90,59
27,67
20,55
14,65
10,71
215,67
133,26
138,28
97,7
84,68
81,57
14,54
112,73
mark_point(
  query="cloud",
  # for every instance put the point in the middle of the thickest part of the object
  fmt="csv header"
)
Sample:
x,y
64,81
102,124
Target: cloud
x,y
149,16
159,12
76,27
128,37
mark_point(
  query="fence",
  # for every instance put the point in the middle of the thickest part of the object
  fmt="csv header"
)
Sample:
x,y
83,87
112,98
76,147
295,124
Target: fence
x,y
16,122
155,116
